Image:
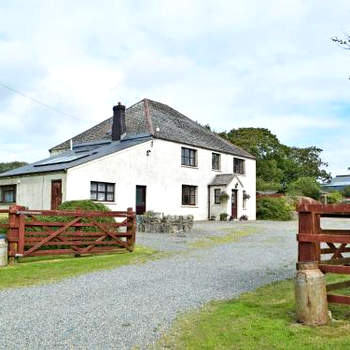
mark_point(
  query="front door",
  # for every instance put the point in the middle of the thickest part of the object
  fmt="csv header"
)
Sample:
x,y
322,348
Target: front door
x,y
234,204
56,194
140,200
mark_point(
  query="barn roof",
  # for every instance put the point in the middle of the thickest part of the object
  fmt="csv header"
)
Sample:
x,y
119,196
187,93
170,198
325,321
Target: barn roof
x,y
339,180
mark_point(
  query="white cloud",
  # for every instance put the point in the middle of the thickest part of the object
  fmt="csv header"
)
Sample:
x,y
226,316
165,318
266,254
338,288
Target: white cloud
x,y
227,63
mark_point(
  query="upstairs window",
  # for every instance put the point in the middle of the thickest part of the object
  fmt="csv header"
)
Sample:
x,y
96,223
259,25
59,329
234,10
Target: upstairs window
x,y
102,191
189,195
8,194
215,161
188,157
238,166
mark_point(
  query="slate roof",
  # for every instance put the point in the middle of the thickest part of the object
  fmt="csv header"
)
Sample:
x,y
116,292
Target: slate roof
x,y
86,151
222,179
339,180
162,122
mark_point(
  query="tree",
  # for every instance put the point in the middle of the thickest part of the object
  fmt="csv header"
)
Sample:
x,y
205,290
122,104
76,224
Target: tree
x,y
309,162
277,163
11,165
259,142
345,43
346,192
305,186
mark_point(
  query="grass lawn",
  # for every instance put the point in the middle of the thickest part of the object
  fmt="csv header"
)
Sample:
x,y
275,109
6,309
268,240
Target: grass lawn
x,y
231,235
41,270
263,319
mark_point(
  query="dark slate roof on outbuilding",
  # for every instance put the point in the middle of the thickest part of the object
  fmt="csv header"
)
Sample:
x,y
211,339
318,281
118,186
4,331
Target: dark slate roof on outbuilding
x,y
160,121
81,153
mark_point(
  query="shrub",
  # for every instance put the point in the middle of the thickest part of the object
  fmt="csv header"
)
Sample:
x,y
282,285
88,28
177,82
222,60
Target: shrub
x,y
262,185
77,205
268,208
334,197
305,186
74,205
3,220
224,197
346,191
83,205
223,216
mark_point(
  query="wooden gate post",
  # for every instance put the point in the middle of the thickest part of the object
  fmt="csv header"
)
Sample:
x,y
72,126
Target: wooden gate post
x,y
131,228
310,284
13,233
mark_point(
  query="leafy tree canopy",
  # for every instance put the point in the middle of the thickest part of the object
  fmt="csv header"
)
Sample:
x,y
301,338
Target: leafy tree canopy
x,y
278,163
346,192
11,165
305,186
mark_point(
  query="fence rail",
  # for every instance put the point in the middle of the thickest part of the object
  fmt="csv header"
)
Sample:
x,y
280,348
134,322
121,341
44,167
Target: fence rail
x,y
315,243
54,232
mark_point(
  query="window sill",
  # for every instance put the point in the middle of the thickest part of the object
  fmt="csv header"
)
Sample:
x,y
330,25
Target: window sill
x,y
7,203
189,167
189,206
104,202
216,170
237,174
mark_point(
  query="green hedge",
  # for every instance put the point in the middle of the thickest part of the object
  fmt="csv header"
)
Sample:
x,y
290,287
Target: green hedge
x,y
77,205
3,220
83,205
268,208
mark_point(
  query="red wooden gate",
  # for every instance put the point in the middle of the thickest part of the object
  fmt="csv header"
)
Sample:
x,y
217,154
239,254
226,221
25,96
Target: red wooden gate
x,y
51,232
316,243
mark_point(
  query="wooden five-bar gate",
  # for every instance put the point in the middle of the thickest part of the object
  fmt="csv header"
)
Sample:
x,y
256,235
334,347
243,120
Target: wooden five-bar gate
x,y
314,243
79,232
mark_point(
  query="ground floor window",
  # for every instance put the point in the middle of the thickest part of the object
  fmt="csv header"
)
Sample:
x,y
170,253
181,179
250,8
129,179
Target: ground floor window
x,y
189,195
217,193
8,194
102,191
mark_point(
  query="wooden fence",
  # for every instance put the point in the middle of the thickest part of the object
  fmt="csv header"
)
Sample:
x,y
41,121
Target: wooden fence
x,y
326,247
55,232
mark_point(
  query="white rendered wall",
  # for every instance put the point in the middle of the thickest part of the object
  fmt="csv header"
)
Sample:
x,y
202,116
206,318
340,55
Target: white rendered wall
x,y
163,175
34,191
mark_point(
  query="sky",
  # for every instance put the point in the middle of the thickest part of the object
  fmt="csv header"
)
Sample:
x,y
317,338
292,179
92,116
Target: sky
x,y
229,64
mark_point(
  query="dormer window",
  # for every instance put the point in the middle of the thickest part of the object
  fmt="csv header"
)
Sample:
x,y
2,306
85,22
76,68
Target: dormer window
x,y
188,157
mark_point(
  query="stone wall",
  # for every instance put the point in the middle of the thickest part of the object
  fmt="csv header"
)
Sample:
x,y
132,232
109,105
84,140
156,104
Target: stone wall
x,y
156,222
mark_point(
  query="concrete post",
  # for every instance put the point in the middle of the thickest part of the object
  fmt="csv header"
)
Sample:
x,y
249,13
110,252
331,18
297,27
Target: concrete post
x,y
311,295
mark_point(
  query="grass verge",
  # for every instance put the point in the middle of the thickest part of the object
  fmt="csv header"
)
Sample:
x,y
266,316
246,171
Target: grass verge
x,y
263,319
51,269
232,235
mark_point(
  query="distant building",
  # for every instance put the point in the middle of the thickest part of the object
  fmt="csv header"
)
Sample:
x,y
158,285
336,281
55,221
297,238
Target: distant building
x,y
338,183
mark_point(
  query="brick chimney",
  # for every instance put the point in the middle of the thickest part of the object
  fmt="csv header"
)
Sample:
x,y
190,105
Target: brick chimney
x,y
118,126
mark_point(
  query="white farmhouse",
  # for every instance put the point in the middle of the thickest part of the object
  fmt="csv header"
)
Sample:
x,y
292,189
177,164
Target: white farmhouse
x,y
149,157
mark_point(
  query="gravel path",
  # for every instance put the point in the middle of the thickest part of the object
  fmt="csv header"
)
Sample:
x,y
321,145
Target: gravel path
x,y
132,305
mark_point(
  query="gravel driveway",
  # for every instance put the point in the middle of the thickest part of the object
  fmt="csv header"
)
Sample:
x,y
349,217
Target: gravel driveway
x,y
132,305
